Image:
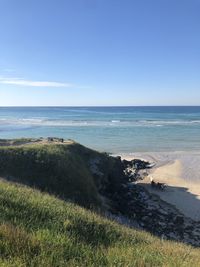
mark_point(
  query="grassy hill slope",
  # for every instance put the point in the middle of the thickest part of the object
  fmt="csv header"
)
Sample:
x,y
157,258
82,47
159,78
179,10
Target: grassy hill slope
x,y
37,229
67,169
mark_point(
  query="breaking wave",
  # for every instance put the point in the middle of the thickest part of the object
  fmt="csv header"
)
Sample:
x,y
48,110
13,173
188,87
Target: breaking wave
x,y
100,123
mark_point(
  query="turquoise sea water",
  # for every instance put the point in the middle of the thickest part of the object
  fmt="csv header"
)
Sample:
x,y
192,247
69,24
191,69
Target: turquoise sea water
x,y
111,129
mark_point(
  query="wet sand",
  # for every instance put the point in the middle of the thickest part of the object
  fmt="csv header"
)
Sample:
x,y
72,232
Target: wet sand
x,y
181,172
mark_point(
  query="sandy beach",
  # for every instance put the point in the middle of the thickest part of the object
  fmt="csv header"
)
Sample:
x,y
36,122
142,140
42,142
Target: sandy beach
x,y
181,172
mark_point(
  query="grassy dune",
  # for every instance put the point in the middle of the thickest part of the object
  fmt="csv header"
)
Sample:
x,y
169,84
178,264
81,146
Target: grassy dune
x,y
61,169
37,229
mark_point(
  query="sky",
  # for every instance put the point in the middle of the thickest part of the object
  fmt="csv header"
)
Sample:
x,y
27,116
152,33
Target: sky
x,y
99,52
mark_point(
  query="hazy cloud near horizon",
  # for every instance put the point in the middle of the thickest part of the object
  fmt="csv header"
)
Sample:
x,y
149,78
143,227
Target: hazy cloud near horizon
x,y
33,83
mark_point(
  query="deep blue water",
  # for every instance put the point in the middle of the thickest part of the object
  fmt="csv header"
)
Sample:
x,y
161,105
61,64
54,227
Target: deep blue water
x,y
112,129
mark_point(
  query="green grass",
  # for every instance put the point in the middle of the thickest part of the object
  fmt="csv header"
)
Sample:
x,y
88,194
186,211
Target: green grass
x,y
61,169
37,229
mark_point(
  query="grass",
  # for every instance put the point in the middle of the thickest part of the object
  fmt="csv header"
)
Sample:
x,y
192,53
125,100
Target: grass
x,y
43,228
61,169
37,229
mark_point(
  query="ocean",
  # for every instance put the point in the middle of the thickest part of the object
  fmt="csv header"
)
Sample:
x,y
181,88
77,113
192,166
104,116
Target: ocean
x,y
111,129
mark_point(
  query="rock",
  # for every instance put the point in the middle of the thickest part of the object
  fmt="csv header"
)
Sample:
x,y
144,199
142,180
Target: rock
x,y
179,219
149,211
172,235
163,212
94,167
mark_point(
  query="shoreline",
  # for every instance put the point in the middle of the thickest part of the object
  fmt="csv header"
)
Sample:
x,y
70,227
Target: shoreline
x,y
120,191
180,171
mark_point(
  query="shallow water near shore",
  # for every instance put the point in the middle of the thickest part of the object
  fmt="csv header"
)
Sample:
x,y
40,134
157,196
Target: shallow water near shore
x,y
111,129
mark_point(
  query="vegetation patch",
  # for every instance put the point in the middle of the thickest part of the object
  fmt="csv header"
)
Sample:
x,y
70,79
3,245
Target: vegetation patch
x,y
66,170
41,230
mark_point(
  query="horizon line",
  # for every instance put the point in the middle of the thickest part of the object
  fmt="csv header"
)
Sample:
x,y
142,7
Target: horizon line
x,y
87,106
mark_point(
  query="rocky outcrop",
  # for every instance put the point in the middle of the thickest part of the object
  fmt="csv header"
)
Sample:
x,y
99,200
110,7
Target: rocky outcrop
x,y
148,211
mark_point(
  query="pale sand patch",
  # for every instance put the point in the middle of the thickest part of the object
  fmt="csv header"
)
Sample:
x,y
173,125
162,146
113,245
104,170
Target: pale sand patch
x,y
180,171
170,173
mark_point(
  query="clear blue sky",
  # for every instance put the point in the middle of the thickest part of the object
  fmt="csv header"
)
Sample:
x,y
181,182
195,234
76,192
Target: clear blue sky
x,y
99,52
